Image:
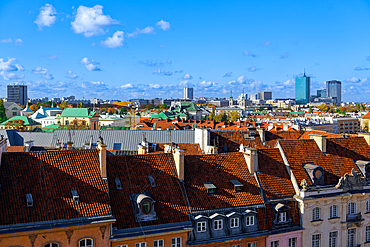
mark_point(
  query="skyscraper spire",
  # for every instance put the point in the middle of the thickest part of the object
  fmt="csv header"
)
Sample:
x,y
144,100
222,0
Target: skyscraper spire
x,y
304,73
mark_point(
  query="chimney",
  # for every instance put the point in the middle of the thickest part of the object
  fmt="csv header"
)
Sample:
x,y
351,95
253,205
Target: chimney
x,y
69,145
178,156
102,158
28,145
261,132
366,136
251,157
142,149
320,141
212,150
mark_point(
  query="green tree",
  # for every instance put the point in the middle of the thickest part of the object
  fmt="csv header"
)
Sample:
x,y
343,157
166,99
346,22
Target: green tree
x,y
310,110
123,111
3,117
211,116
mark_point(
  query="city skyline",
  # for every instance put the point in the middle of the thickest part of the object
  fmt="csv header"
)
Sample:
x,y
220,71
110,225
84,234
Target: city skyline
x,y
142,49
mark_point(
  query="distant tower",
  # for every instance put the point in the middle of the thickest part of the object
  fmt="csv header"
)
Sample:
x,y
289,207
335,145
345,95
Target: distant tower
x,y
334,90
242,102
231,101
188,93
302,90
17,94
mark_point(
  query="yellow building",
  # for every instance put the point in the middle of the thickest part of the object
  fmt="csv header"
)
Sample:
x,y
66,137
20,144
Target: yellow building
x,y
20,123
78,116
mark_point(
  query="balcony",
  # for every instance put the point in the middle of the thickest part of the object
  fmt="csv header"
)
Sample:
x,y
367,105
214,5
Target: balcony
x,y
354,218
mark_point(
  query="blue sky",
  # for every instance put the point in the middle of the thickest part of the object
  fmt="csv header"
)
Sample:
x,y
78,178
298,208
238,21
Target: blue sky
x,y
146,49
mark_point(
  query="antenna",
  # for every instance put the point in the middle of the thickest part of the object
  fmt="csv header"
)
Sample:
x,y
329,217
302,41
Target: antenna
x,y
304,72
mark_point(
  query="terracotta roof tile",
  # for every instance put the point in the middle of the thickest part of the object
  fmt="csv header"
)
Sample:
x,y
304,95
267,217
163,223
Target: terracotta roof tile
x,y
15,149
188,148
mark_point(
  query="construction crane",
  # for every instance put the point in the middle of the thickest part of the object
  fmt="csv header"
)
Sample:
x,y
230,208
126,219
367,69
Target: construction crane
x,y
132,108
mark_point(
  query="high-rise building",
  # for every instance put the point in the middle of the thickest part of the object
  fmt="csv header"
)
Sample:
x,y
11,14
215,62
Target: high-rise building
x,y
302,90
254,96
265,95
321,93
188,93
334,90
17,94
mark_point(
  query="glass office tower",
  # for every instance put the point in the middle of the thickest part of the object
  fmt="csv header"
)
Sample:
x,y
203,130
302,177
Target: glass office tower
x,y
302,90
333,90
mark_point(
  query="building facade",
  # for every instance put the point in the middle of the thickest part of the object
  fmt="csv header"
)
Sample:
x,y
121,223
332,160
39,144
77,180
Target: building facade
x,y
188,93
334,90
17,94
266,95
302,90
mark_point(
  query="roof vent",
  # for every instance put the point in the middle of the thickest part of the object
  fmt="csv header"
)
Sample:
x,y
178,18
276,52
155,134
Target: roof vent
x,y
118,183
238,186
29,200
75,196
152,181
211,188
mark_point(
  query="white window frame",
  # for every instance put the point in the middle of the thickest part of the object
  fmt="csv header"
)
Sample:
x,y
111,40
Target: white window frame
x,y
85,239
201,226
368,206
176,242
217,224
142,244
234,222
252,244
333,211
333,239
316,213
125,245
51,244
351,208
158,243
292,242
282,217
316,240
351,240
367,234
274,243
249,220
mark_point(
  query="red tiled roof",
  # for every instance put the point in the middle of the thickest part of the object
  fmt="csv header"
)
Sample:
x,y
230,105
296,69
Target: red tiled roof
x,y
367,115
219,169
274,177
133,171
50,177
15,149
349,147
188,148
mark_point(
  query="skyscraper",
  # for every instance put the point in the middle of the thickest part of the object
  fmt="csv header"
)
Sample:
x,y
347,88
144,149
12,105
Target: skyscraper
x,y
302,90
265,95
334,90
188,93
17,94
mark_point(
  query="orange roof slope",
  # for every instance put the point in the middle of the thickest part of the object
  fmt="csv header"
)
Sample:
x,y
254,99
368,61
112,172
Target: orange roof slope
x,y
367,115
219,169
50,177
352,147
15,149
188,148
274,177
133,171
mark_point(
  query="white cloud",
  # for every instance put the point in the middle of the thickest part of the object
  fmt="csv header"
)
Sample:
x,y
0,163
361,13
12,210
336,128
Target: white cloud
x,y
253,69
91,21
115,41
146,30
187,77
248,53
266,43
127,86
7,66
39,70
10,76
155,86
353,80
48,76
19,67
359,68
205,84
164,25
71,75
228,74
46,17
52,57
90,65
18,41
8,40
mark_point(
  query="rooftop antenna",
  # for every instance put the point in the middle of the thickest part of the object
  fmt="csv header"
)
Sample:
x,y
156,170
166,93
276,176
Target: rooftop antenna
x,y
304,72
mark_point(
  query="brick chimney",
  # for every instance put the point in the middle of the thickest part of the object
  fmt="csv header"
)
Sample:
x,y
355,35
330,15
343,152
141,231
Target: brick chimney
x,y
102,158
320,141
178,156
261,133
69,145
251,158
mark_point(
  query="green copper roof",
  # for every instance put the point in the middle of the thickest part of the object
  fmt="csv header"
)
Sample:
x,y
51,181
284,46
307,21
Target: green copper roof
x,y
77,112
26,120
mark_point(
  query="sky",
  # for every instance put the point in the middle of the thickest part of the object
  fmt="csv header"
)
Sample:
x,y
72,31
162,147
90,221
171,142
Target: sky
x,y
146,49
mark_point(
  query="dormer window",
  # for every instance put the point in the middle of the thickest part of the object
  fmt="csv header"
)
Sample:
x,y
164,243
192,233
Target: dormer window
x,y
118,184
238,186
143,207
249,220
282,216
210,187
75,196
146,207
29,200
364,167
316,173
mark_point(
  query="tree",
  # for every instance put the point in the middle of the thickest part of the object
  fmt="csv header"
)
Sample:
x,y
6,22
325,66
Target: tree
x,y
211,116
234,116
310,110
63,105
123,111
3,117
16,124
34,107
81,105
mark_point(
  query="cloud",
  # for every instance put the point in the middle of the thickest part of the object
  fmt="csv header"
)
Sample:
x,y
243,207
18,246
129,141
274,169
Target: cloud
x,y
19,67
155,86
8,40
285,55
187,77
253,69
8,66
179,71
127,86
71,75
206,84
10,76
146,30
91,21
151,63
352,80
18,41
46,17
160,72
228,74
168,73
90,65
266,43
368,58
359,68
52,57
39,71
169,61
164,25
115,41
248,53
48,76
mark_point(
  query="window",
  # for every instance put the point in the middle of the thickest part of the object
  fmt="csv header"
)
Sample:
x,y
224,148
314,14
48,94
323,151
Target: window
x,y
125,245
116,146
316,213
351,208
158,243
252,245
275,243
351,237
14,114
367,233
51,245
87,242
333,239
368,207
282,217
249,220
217,224
293,242
333,211
176,242
201,226
316,240
143,244
234,222
238,245
146,207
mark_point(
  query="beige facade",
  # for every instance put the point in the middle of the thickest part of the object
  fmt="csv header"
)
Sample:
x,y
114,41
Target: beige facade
x,y
12,109
346,125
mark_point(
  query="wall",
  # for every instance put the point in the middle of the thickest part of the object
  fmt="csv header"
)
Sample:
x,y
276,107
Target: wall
x,y
149,239
283,238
